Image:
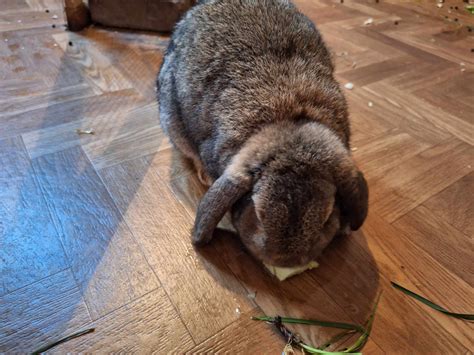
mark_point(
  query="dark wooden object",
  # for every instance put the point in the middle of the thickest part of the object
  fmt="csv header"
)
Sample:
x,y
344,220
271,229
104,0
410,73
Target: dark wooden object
x,y
77,15
153,15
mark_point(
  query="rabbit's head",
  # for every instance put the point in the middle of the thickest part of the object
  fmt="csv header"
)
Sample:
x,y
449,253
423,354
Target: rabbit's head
x,y
291,189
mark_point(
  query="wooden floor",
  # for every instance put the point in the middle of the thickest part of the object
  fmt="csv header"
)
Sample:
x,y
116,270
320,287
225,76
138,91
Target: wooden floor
x,y
95,228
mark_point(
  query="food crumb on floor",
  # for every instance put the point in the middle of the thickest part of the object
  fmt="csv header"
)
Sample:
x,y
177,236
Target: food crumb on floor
x,y
84,131
252,295
369,21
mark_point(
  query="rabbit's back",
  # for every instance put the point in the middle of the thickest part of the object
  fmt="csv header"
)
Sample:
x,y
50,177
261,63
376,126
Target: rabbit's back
x,y
234,65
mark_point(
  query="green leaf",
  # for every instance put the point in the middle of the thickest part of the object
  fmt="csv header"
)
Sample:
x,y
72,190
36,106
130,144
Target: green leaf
x,y
336,338
362,340
320,323
317,351
350,329
431,304
63,340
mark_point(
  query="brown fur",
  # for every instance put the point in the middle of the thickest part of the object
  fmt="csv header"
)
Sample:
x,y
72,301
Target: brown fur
x,y
247,92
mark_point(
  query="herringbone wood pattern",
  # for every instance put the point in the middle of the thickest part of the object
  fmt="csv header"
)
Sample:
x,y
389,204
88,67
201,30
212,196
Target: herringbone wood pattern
x,y
95,228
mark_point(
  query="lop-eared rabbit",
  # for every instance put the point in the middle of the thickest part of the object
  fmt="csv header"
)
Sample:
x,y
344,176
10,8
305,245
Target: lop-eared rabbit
x,y
247,92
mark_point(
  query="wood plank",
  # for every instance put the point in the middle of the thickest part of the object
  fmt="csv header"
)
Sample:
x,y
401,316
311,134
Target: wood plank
x,y
162,227
419,40
95,66
131,133
386,152
12,5
422,78
19,105
320,13
398,113
106,261
19,89
42,5
135,55
455,204
30,248
361,36
63,112
44,34
366,122
41,57
12,65
51,308
400,260
147,325
24,19
415,180
381,39
382,70
427,115
451,93
444,243
243,336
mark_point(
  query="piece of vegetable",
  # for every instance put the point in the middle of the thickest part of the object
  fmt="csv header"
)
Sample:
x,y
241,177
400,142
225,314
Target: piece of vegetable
x,y
282,273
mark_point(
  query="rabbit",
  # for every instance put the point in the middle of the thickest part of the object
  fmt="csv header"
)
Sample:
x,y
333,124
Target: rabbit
x,y
246,91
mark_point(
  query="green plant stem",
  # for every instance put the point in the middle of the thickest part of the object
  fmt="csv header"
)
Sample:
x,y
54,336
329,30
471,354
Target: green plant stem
x,y
362,340
317,351
350,329
338,337
429,303
63,340
320,323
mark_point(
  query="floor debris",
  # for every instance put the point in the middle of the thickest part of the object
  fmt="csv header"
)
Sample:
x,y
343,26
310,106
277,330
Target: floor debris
x,y
84,131
349,86
369,21
252,295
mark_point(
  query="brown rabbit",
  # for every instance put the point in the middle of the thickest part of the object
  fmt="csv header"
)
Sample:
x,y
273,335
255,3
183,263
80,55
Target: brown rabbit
x,y
246,90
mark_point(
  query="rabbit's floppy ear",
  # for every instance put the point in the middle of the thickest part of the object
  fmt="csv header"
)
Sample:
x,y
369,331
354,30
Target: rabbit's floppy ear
x,y
220,197
353,194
